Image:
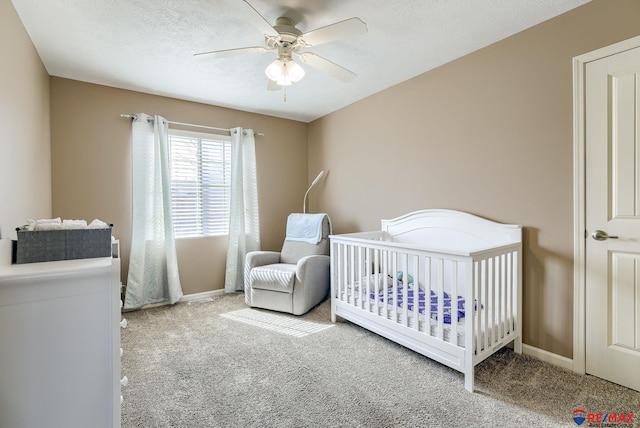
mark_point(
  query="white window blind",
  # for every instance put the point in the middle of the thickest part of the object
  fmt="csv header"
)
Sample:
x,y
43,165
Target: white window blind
x,y
200,183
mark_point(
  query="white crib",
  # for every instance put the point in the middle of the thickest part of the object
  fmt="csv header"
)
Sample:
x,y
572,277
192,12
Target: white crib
x,y
446,259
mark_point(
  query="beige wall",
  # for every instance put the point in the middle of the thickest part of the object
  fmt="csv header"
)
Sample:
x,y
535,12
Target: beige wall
x,y
491,134
25,158
91,168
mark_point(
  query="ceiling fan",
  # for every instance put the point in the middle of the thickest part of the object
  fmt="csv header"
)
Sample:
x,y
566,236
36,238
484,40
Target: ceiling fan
x,y
289,42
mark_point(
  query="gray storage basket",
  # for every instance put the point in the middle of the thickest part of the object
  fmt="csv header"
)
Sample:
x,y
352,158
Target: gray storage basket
x,y
54,245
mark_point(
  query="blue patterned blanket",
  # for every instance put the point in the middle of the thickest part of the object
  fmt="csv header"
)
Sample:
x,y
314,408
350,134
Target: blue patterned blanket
x,y
422,302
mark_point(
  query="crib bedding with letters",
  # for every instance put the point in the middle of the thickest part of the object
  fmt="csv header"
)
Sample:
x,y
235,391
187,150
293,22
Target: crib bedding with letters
x,y
411,283
398,297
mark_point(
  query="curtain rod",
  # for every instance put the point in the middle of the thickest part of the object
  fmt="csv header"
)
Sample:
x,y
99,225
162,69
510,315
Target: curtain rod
x,y
133,116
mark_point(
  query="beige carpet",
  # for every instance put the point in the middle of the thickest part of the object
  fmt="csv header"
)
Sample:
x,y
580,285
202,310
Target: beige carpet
x,y
219,364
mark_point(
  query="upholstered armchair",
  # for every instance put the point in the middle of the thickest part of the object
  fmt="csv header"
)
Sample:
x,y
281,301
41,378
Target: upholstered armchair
x,y
295,279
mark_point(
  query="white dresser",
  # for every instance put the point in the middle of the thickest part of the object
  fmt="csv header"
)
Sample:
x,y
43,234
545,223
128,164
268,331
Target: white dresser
x,y
60,344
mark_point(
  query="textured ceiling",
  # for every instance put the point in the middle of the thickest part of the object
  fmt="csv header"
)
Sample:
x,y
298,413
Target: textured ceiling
x,y
148,45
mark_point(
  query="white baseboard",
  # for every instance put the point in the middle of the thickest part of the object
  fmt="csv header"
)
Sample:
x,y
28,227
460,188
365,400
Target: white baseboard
x,y
203,295
546,356
187,298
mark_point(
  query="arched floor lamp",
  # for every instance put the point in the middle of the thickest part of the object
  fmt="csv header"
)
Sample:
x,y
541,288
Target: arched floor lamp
x,y
313,183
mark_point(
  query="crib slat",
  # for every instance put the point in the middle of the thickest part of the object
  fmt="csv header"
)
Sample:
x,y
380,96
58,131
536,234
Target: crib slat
x,y
364,274
427,294
492,314
490,304
352,272
335,271
381,284
481,306
499,291
454,303
349,291
357,272
477,279
500,285
416,292
440,295
342,273
517,289
394,272
469,283
485,298
405,290
509,305
512,302
505,287
503,297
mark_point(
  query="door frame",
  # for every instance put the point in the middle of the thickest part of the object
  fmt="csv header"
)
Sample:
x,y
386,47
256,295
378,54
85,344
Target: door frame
x,y
579,196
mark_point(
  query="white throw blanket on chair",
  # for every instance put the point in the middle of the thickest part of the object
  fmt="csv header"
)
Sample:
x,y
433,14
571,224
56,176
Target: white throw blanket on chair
x,y
305,227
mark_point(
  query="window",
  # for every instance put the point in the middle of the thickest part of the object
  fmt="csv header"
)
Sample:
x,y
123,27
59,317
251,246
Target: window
x,y
200,183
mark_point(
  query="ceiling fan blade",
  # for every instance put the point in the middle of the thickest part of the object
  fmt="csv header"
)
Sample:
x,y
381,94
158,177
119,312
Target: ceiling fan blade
x,y
250,14
327,66
343,29
273,86
233,52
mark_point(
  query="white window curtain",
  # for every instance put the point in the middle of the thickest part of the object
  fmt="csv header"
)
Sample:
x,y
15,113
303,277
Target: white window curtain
x,y
244,224
153,265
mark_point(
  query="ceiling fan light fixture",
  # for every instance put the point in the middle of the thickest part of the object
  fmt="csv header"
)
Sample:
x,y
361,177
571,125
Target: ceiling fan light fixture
x,y
284,73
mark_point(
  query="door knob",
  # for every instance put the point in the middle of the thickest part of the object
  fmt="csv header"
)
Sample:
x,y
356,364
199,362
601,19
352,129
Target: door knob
x,y
601,235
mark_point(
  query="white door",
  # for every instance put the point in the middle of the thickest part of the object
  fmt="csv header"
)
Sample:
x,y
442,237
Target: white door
x,y
612,129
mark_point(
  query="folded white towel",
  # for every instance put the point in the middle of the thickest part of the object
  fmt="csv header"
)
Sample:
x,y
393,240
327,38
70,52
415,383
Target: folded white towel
x,y
98,224
46,224
49,220
305,227
74,224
